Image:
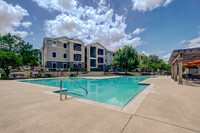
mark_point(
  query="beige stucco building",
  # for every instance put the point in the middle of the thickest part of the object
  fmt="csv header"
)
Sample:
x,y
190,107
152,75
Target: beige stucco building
x,y
95,56
63,53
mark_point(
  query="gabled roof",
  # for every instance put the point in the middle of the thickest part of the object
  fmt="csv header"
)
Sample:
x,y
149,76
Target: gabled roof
x,y
77,40
97,44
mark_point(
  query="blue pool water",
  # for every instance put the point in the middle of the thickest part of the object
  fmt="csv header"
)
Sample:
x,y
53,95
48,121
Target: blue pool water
x,y
114,91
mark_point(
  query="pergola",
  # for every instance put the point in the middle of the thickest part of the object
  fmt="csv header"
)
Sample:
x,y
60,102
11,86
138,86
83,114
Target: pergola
x,y
178,57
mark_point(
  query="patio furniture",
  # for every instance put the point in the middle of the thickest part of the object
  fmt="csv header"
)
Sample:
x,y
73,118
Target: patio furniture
x,y
196,78
189,76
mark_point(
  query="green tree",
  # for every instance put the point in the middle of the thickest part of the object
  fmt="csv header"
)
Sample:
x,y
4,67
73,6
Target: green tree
x,y
9,61
153,63
14,44
126,58
30,56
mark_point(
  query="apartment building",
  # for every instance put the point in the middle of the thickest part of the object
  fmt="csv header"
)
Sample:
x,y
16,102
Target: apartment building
x,y
109,58
95,56
62,53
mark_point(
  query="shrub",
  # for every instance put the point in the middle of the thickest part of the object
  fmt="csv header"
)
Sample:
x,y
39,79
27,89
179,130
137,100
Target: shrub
x,y
14,75
74,75
73,69
47,75
3,72
106,70
4,77
38,75
42,69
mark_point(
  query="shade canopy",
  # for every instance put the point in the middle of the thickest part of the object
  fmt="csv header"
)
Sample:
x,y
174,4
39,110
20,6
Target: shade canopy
x,y
192,63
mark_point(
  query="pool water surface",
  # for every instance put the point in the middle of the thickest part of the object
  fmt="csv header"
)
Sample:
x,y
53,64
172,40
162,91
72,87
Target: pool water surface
x,y
115,91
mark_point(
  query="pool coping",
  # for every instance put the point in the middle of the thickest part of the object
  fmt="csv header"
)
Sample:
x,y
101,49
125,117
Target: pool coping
x,y
131,107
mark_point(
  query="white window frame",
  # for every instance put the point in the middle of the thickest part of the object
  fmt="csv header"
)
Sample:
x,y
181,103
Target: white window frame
x,y
54,63
54,45
64,64
56,54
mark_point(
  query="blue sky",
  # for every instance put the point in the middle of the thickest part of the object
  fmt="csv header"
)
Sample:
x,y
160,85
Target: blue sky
x,y
151,26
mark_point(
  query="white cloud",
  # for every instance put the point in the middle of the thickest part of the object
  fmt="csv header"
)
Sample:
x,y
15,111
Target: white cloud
x,y
59,5
194,43
12,17
145,53
138,31
166,57
89,24
26,24
145,5
167,2
22,34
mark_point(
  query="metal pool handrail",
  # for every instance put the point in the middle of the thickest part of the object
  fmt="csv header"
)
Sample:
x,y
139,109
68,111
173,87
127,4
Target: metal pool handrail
x,y
86,91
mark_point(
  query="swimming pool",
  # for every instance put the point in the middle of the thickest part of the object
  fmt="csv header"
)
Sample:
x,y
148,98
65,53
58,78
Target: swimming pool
x,y
115,91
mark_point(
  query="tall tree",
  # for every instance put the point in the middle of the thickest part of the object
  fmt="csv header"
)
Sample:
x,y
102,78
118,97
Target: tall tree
x,y
126,58
9,61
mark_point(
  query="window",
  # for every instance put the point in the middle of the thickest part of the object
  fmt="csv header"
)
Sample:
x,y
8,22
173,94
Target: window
x,y
54,65
54,43
92,63
64,65
100,51
106,53
64,45
64,55
77,47
54,54
100,60
113,55
105,60
93,52
77,57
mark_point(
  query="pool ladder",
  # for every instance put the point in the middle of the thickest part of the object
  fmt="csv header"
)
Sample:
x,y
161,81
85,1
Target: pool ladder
x,y
61,93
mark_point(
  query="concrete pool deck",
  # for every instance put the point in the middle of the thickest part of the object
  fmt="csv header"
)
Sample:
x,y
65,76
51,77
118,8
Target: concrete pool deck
x,y
28,108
